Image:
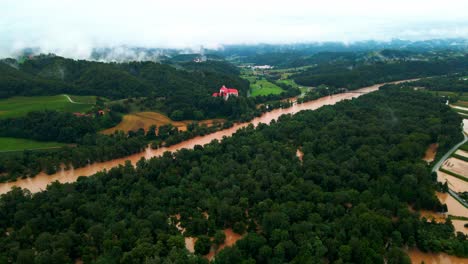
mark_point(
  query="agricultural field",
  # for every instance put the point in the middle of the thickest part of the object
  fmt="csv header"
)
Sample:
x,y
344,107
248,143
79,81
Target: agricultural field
x,y
264,87
260,86
20,106
135,121
19,144
289,82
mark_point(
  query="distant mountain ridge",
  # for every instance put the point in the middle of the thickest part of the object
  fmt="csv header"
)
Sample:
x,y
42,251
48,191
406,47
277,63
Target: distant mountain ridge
x,y
125,53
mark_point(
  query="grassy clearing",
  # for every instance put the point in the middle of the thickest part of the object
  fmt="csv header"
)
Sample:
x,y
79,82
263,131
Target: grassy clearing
x,y
289,82
264,87
135,121
260,86
464,147
18,144
20,106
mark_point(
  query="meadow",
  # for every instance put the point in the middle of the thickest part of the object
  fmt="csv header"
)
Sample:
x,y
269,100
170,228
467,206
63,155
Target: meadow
x,y
264,87
18,144
20,106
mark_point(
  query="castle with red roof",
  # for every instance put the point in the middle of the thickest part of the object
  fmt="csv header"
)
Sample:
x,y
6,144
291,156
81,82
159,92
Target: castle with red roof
x,y
226,92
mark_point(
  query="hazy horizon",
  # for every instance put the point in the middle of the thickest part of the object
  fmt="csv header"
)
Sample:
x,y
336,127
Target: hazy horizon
x,y
73,29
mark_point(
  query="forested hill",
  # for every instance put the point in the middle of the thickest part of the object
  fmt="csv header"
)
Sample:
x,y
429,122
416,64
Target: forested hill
x,y
46,75
346,202
355,75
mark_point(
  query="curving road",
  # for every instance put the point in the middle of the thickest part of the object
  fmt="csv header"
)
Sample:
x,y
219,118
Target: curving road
x,y
71,101
446,156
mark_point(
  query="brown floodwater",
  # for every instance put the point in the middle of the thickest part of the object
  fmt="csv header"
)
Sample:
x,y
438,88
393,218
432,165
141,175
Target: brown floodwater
x,y
454,183
231,239
40,181
431,215
460,226
431,152
418,256
453,206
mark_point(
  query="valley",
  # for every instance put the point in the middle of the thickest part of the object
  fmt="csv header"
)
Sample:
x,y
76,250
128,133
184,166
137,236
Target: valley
x,y
311,156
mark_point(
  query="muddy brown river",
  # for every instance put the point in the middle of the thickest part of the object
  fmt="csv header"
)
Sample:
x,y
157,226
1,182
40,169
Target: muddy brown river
x,y
40,181
418,257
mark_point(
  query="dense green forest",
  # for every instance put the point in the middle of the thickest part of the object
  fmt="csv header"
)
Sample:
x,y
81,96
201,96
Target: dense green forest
x,y
346,202
185,90
56,126
355,75
452,83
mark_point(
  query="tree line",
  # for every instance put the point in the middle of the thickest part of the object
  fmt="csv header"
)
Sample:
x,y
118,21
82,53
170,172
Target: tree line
x,y
355,75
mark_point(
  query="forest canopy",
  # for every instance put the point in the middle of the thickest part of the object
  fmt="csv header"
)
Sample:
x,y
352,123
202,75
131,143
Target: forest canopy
x,y
355,75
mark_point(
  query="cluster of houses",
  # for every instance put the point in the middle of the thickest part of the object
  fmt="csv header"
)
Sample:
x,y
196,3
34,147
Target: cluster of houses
x,y
262,67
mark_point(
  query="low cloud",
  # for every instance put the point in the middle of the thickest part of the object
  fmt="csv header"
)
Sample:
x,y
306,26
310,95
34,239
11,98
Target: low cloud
x,y
76,28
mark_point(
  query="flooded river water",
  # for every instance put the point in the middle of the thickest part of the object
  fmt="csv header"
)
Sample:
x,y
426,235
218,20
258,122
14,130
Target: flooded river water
x,y
40,181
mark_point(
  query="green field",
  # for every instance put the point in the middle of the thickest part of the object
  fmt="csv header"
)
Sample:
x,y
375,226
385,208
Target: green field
x,y
83,99
289,82
20,106
19,144
264,87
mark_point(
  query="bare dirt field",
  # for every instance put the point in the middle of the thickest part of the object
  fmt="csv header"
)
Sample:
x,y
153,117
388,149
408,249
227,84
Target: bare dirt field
x,y
135,121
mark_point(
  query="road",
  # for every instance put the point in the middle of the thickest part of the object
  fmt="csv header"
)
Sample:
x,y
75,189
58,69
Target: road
x,y
71,101
446,156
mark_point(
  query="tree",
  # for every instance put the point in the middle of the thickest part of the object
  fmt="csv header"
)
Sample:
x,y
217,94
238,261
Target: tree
x,y
219,237
203,245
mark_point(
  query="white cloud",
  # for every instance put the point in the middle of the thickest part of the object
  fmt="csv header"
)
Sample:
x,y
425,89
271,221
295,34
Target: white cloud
x,y
72,27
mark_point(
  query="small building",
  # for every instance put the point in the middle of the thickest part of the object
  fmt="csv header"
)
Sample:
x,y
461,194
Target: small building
x,y
226,92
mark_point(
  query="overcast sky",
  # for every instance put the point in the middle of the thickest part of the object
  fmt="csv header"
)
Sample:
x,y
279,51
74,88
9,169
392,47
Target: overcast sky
x,y
73,27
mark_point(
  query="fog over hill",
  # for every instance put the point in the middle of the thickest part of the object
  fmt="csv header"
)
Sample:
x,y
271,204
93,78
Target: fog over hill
x,y
125,53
